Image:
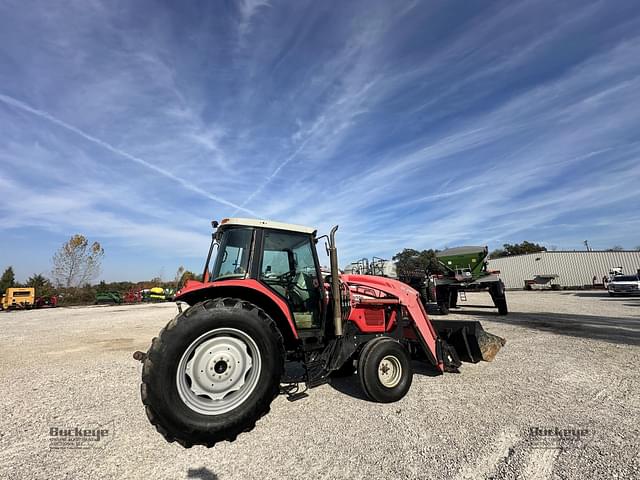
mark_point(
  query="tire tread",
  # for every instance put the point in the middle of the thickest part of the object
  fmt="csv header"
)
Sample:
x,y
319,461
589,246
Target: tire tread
x,y
166,428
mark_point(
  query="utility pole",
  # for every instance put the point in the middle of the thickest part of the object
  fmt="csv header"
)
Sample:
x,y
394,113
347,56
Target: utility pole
x,y
586,244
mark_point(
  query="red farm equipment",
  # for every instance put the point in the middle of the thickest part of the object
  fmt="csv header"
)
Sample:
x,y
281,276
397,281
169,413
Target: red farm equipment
x,y
134,295
214,370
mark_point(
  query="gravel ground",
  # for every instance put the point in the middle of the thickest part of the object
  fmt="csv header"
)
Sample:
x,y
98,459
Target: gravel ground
x,y
572,361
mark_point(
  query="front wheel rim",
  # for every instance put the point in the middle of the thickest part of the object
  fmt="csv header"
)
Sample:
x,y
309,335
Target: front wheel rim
x,y
218,371
390,371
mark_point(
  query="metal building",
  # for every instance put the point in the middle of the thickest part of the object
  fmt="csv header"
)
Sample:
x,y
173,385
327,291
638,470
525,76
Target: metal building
x,y
573,269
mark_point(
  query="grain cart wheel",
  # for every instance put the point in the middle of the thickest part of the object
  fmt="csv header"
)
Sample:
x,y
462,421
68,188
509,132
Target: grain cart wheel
x,y
501,303
499,298
212,372
453,299
443,297
384,368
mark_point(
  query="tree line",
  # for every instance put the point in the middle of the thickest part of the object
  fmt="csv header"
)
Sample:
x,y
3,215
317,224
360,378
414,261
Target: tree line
x,y
78,262
76,265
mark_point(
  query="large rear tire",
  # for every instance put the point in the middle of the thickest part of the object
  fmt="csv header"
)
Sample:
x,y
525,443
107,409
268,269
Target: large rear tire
x,y
212,372
384,368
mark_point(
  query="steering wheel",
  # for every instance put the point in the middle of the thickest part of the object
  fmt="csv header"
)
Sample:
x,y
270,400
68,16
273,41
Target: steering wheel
x,y
286,277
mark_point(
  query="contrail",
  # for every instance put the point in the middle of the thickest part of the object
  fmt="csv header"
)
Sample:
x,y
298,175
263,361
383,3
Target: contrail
x,y
187,185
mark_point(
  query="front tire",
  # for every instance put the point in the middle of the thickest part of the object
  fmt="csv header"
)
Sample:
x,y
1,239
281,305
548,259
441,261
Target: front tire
x,y
384,368
212,372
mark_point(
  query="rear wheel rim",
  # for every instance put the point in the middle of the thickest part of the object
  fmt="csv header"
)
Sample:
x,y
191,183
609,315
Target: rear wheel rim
x,y
390,371
218,371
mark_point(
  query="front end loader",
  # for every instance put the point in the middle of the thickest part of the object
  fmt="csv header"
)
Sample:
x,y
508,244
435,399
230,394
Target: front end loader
x,y
214,370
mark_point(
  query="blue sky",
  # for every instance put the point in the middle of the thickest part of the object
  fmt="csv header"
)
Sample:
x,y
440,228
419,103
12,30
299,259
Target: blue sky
x,y
410,124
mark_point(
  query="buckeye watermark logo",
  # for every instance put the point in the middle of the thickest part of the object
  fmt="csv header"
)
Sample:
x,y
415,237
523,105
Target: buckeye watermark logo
x,y
80,437
559,437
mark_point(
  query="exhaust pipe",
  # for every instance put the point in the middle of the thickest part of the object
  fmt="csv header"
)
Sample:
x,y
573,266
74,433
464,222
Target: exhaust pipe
x,y
335,283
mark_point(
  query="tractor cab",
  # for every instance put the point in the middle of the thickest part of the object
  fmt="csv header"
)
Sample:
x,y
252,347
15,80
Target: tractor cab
x,y
279,257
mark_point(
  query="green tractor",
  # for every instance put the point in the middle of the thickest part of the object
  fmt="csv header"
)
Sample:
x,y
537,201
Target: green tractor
x,y
114,298
465,269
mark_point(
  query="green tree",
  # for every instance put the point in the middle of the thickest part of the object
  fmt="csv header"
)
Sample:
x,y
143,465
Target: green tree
x,y
410,262
43,286
178,276
517,249
7,280
77,262
186,275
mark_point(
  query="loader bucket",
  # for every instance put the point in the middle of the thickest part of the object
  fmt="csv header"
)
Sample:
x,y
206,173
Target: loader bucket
x,y
469,339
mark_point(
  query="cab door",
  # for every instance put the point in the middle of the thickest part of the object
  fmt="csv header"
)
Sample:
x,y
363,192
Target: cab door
x,y
289,267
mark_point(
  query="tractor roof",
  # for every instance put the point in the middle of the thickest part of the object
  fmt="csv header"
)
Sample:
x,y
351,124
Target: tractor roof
x,y
253,222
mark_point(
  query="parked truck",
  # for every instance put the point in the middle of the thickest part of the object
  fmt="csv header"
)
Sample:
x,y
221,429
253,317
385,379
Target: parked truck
x,y
19,298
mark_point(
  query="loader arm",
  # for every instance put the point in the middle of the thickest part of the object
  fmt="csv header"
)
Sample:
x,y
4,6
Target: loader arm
x,y
409,299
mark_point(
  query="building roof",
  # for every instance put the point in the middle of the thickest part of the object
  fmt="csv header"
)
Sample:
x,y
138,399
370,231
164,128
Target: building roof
x,y
254,222
543,252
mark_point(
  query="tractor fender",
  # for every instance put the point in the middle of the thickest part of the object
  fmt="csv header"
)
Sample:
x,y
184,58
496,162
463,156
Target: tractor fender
x,y
250,290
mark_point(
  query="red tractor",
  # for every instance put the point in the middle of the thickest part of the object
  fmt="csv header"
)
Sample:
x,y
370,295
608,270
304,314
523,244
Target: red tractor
x,y
214,370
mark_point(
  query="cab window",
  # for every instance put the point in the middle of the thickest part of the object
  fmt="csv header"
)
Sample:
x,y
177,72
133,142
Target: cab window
x,y
289,268
233,256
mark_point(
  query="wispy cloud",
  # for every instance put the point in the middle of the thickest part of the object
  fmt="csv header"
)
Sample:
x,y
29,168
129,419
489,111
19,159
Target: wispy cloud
x,y
160,171
248,9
